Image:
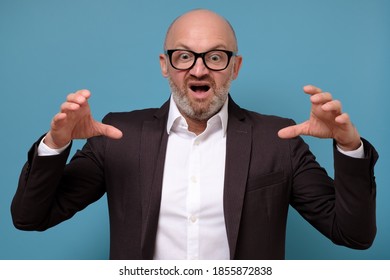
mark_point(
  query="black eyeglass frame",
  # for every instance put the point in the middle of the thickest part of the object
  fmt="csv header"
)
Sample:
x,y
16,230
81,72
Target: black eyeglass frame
x,y
202,55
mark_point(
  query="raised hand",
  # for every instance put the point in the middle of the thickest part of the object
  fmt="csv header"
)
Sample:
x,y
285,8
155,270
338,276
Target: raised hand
x,y
75,121
326,121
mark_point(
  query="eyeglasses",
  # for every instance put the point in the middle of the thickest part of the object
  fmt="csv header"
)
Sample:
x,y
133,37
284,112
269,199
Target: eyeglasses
x,y
216,60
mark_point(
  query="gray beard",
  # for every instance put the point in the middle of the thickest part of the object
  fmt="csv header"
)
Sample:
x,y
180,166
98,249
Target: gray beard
x,y
203,111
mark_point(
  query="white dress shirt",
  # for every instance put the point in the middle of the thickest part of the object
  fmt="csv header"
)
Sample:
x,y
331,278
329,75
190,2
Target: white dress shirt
x,y
191,223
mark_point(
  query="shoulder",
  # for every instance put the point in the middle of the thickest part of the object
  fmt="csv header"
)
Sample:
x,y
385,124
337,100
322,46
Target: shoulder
x,y
130,122
258,120
255,118
265,128
137,117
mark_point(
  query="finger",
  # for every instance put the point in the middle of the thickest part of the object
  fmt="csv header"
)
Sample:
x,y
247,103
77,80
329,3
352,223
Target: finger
x,y
84,92
310,89
58,120
319,98
75,100
80,97
293,131
334,105
69,107
109,131
343,119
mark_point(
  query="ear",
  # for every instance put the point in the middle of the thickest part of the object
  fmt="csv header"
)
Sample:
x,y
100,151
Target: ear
x,y
164,65
237,66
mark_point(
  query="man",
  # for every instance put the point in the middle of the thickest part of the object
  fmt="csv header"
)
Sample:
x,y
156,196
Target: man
x,y
201,178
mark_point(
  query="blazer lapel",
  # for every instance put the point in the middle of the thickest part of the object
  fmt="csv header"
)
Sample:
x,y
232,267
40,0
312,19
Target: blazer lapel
x,y
154,141
238,151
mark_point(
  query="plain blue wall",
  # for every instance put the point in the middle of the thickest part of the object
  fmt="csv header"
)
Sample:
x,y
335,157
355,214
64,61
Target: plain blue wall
x,y
49,48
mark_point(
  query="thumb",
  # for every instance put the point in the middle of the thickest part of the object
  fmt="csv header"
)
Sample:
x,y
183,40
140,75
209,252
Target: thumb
x,y
291,131
108,131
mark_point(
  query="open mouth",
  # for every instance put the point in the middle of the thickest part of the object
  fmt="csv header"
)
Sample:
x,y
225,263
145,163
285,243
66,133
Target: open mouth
x,y
203,88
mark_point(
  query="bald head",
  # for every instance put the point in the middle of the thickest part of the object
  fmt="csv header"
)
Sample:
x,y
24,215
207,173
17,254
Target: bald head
x,y
200,28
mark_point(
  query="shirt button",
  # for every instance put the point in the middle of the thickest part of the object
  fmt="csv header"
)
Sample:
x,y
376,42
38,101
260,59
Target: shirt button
x,y
193,219
194,179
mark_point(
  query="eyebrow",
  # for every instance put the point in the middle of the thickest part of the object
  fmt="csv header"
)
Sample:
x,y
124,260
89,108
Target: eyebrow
x,y
216,47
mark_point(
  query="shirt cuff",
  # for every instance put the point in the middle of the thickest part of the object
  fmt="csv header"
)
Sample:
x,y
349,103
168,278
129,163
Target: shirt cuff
x,y
358,153
45,150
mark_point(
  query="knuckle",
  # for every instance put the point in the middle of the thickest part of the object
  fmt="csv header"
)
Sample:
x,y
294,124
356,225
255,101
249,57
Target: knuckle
x,y
63,106
328,95
337,103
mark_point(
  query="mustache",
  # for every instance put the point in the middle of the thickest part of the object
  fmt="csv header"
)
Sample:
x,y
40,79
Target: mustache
x,y
205,78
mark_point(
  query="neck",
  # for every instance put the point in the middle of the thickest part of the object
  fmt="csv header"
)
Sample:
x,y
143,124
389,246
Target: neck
x,y
196,126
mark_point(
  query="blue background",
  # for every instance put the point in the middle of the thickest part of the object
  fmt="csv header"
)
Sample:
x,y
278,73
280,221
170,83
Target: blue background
x,y
49,48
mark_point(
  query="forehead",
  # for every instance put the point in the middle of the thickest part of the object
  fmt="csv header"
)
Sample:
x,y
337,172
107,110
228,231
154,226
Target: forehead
x,y
200,31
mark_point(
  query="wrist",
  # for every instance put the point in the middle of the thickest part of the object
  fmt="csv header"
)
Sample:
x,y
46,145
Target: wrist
x,y
44,150
350,146
49,141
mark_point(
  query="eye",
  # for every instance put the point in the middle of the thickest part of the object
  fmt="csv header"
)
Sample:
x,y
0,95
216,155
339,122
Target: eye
x,y
184,56
215,57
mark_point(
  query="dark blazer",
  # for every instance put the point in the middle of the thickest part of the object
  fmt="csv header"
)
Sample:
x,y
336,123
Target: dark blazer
x,y
264,175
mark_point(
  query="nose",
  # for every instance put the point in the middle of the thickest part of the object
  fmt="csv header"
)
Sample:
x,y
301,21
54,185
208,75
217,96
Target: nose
x,y
199,69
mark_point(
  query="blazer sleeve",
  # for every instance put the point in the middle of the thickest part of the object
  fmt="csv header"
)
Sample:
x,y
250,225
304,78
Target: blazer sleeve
x,y
343,209
50,191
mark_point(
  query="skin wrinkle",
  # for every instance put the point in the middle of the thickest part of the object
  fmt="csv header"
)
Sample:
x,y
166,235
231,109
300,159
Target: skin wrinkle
x,y
200,31
191,109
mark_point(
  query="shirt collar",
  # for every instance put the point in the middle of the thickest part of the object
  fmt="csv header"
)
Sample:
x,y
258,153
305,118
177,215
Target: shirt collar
x,y
175,115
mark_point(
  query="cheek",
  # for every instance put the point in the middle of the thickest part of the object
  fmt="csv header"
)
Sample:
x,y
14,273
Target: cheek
x,y
177,77
223,79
